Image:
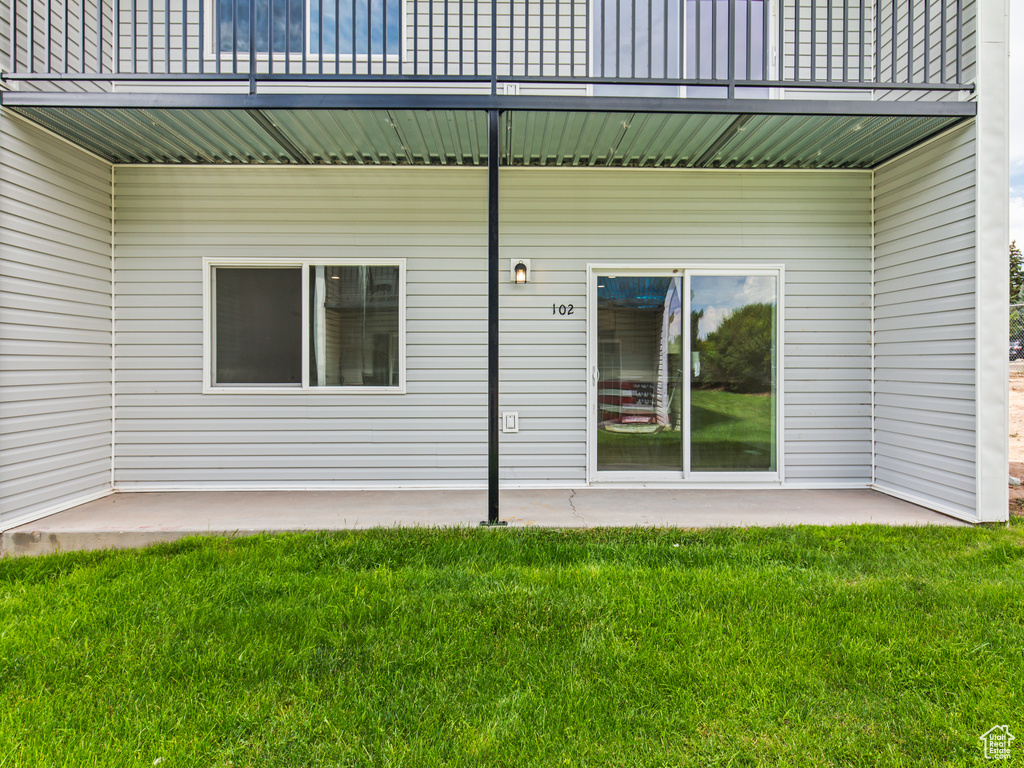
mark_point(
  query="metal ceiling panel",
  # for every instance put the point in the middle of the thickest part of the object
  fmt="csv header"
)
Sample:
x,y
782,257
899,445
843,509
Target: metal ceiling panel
x,y
458,137
375,137
712,141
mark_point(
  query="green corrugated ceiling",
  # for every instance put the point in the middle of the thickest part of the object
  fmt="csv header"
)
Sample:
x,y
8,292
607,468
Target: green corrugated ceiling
x,y
459,137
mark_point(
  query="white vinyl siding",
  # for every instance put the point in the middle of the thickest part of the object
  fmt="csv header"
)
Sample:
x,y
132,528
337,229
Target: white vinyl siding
x,y
55,331
925,438
170,434
818,225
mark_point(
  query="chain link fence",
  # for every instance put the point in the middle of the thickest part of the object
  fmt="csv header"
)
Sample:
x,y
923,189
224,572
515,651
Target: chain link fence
x,y
1017,340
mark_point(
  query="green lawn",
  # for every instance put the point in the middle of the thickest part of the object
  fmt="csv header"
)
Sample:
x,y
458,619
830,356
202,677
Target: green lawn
x,y
804,647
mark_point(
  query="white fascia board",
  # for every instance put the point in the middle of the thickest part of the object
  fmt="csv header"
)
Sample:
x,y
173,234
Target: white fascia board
x,y
992,277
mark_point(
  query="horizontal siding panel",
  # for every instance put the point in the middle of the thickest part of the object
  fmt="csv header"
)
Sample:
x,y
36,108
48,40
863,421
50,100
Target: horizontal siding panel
x,y
949,317
933,372
87,470
925,406
818,225
89,302
922,349
45,271
172,442
53,245
920,474
825,475
944,451
954,431
48,390
27,309
55,321
31,464
64,488
458,472
957,253
948,405
923,309
925,292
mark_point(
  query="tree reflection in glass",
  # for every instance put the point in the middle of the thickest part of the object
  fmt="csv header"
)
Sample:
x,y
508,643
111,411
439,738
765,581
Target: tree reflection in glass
x,y
733,373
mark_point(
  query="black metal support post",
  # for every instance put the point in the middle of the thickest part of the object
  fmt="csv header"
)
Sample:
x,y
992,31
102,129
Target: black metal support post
x,y
493,275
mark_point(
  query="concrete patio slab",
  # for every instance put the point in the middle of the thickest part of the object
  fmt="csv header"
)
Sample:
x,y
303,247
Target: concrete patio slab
x,y
139,519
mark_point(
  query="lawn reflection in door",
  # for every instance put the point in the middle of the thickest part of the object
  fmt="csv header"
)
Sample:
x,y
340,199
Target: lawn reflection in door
x,y
655,362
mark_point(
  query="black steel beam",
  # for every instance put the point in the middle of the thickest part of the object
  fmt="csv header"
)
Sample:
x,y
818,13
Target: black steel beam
x,y
484,102
493,279
316,77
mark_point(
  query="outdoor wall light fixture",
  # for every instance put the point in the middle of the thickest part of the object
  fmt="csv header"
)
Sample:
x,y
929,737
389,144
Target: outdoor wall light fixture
x,y
520,271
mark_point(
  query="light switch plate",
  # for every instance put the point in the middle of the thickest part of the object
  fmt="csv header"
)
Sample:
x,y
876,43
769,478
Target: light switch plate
x,y
509,421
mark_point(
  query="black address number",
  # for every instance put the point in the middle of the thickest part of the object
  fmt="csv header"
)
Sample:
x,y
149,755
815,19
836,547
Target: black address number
x,y
561,309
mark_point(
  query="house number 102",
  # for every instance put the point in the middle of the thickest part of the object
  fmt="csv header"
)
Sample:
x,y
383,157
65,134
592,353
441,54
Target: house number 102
x,y
561,309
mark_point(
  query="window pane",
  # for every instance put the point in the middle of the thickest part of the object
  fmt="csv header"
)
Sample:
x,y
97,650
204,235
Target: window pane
x,y
639,390
353,326
733,373
337,29
258,333
287,27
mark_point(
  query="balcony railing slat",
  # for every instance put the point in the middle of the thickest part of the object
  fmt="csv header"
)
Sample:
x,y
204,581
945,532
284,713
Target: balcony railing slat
x,y
814,40
927,41
714,36
49,35
910,43
558,37
878,40
960,41
632,48
64,42
860,43
184,37
943,36
252,45
586,43
892,33
167,36
796,39
698,36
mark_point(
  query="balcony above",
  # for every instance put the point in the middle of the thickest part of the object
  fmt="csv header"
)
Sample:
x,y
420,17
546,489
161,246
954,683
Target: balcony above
x,y
808,84
861,49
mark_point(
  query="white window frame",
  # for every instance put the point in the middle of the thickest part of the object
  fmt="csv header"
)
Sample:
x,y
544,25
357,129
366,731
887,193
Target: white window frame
x,y
684,476
211,263
210,53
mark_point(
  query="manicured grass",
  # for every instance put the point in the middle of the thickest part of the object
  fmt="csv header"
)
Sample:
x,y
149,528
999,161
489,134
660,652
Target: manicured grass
x,y
804,647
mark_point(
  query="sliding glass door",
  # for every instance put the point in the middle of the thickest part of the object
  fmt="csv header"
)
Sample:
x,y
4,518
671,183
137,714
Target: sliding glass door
x,y
685,373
